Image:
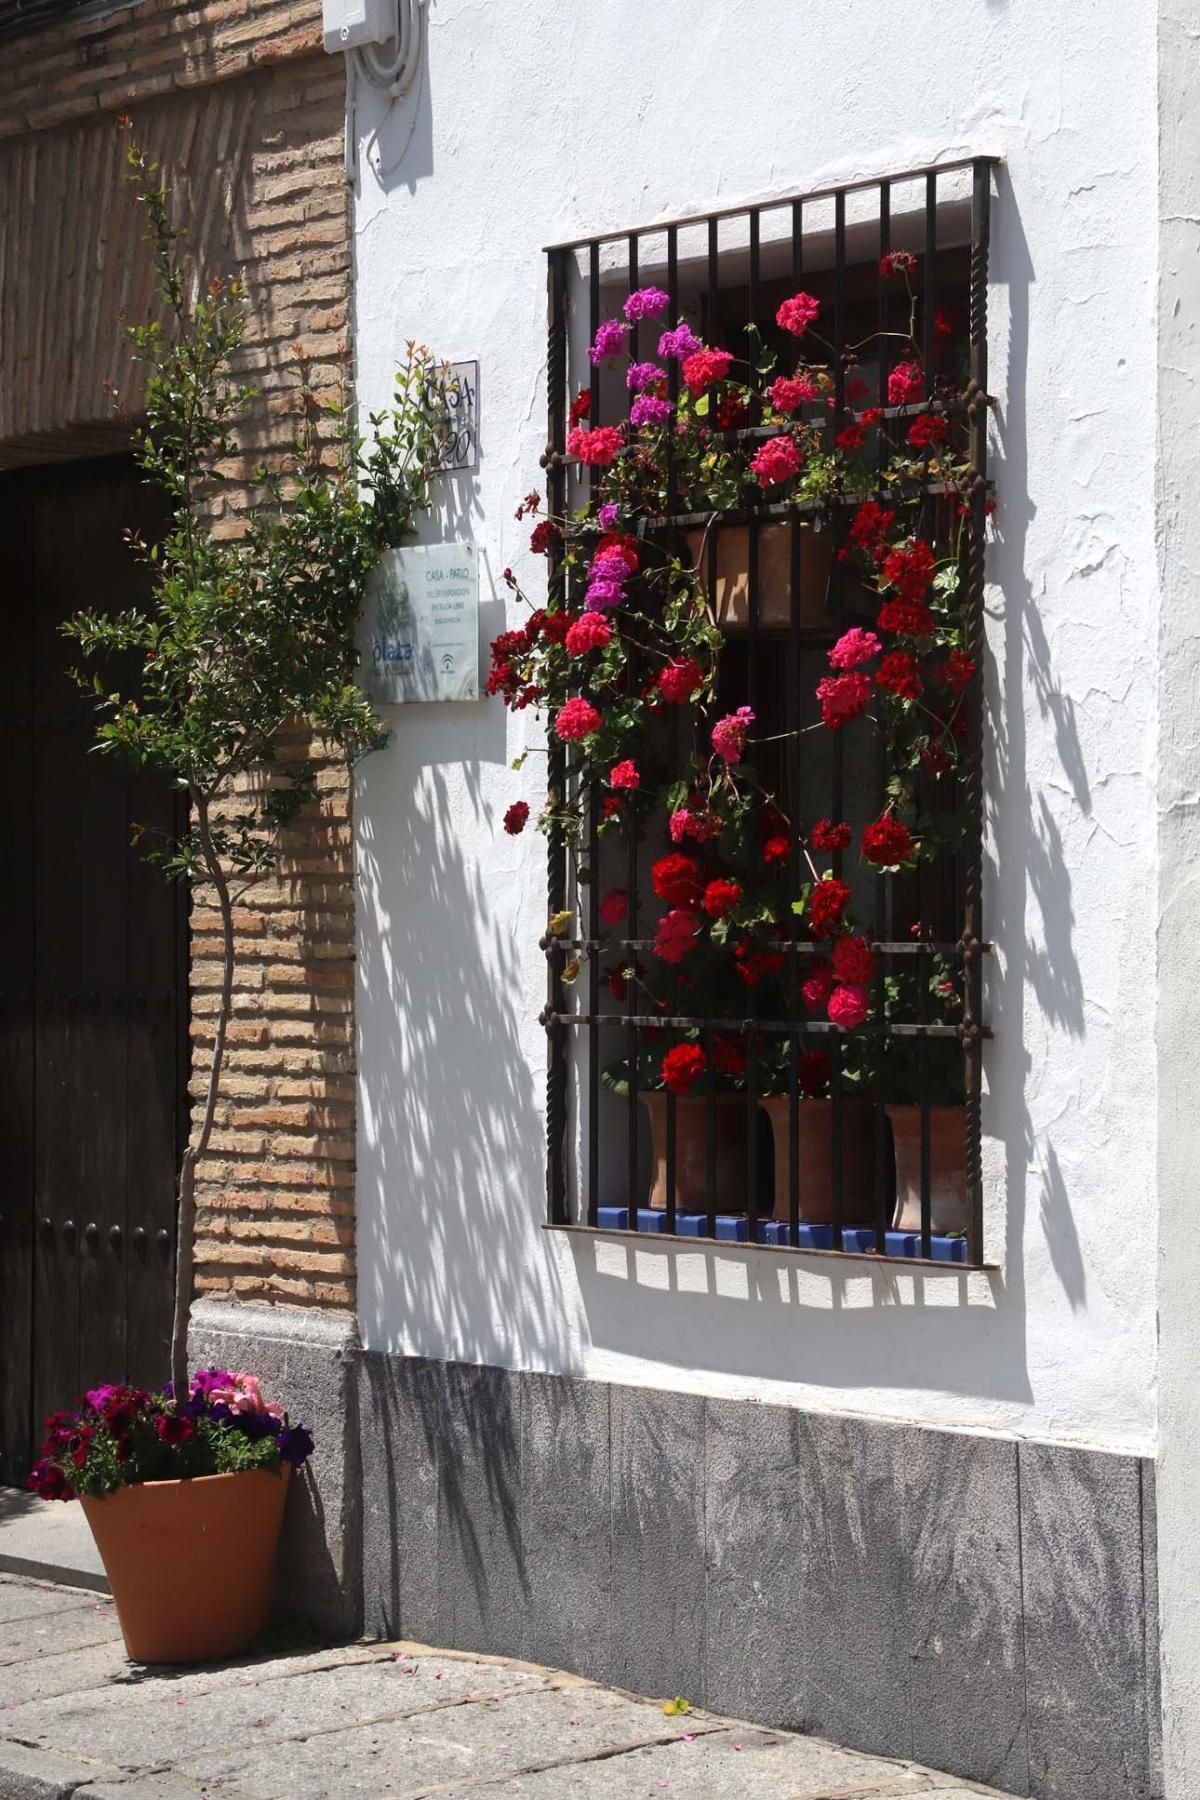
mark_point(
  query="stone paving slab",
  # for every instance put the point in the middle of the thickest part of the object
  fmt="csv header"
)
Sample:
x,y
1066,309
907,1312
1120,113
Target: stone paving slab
x,y
373,1722
48,1541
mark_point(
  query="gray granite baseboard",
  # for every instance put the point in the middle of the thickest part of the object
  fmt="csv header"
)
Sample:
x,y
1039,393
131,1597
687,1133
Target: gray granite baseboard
x,y
306,1361
983,1606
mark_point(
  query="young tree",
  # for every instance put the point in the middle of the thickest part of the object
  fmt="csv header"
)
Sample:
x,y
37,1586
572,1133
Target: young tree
x,y
246,635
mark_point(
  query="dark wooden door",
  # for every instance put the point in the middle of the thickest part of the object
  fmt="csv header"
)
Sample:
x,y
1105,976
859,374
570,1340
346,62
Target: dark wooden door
x,y
93,978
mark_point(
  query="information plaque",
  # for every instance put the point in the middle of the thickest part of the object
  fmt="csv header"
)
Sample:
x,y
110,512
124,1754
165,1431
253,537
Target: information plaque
x,y
421,637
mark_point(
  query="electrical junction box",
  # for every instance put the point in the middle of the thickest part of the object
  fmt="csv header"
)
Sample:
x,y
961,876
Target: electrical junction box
x,y
348,23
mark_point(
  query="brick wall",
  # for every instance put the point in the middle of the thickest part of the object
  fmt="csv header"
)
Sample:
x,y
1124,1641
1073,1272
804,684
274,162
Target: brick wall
x,y
246,114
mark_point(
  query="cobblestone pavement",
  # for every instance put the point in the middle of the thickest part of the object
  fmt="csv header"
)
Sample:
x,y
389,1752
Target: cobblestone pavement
x,y
384,1721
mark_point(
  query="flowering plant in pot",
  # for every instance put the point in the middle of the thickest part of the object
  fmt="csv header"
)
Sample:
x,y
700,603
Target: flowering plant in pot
x,y
625,656
148,1470
247,633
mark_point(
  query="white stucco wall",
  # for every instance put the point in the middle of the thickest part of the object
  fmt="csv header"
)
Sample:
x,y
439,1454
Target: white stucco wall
x,y
540,121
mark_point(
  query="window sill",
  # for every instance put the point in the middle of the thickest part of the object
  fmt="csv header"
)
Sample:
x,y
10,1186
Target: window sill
x,y
894,1264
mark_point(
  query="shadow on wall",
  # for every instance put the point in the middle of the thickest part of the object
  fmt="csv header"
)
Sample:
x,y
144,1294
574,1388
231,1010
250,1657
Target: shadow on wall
x,y
451,1166
1028,860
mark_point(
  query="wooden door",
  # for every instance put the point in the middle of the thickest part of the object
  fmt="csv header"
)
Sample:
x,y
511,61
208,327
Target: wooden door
x,y
93,984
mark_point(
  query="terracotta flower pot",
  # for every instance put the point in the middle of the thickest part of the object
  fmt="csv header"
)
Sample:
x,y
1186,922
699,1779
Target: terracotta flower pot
x,y
691,1152
947,1167
731,598
815,1152
191,1563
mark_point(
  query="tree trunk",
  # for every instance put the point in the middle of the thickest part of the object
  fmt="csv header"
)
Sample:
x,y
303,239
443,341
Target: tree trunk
x,y
185,1211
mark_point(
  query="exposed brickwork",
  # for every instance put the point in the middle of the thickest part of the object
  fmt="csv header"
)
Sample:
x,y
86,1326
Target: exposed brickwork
x,y
245,113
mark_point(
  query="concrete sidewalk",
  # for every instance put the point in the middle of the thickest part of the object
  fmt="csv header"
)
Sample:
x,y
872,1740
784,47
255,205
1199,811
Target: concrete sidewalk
x,y
388,1722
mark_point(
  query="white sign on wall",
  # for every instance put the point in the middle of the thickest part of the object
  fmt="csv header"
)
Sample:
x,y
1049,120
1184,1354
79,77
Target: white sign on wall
x,y
421,634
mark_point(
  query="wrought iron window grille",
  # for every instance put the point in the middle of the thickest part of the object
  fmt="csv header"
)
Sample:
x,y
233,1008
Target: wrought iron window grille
x,y
727,269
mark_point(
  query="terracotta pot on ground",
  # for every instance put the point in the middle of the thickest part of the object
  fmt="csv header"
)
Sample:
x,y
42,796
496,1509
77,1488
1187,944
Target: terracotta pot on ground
x,y
815,1152
731,599
691,1152
947,1167
191,1563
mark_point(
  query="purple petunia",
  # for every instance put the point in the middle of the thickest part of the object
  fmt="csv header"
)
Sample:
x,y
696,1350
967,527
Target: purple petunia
x,y
295,1444
646,303
649,409
680,343
609,341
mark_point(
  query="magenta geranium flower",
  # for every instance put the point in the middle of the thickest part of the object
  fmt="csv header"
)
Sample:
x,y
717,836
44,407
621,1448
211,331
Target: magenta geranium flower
x,y
646,303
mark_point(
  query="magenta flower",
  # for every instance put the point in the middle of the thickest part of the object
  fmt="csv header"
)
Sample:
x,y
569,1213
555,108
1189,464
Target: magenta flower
x,y
854,648
729,734
608,515
680,343
646,303
775,461
797,314
577,718
849,1007
610,340
649,409
643,375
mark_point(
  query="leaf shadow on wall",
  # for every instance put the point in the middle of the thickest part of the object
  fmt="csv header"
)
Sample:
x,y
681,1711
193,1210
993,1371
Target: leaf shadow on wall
x,y
451,1172
1028,860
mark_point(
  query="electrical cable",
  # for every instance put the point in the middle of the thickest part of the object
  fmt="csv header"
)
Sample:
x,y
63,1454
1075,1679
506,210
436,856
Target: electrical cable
x,y
392,66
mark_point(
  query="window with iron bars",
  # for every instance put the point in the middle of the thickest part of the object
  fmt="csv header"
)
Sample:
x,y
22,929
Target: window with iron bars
x,y
796,1123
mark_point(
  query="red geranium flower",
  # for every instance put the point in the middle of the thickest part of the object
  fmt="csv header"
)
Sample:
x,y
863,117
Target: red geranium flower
x,y
679,680
625,775
896,262
870,527
676,879
544,534
886,842
851,437
676,935
591,631
828,902
595,449
682,1066
926,430
817,986
843,697
556,625
957,671
614,906
516,818
581,406
704,367
910,569
797,314
900,674
720,897
849,1007
906,383
776,848
825,835
789,393
853,960
907,618
577,718
729,1055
